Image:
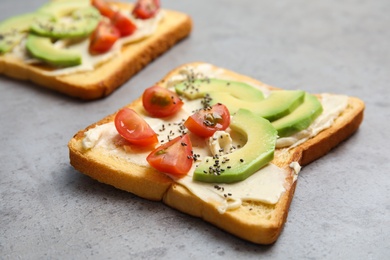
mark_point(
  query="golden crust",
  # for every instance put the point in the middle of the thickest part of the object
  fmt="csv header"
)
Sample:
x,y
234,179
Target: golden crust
x,y
112,74
253,221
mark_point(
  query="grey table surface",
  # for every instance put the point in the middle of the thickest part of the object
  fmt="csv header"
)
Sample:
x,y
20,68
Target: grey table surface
x,y
341,208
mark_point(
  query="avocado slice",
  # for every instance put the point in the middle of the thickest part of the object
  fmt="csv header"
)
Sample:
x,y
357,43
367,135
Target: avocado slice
x,y
278,104
63,8
79,24
42,48
200,87
14,29
300,118
242,163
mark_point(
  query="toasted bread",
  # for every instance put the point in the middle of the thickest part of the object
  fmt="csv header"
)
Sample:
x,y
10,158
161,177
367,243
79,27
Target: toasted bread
x,y
254,221
110,75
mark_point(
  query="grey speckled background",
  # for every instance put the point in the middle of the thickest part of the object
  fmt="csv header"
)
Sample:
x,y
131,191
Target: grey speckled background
x,y
341,208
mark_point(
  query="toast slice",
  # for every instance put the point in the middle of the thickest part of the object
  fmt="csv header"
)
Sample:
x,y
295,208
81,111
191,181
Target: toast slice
x,y
110,75
254,221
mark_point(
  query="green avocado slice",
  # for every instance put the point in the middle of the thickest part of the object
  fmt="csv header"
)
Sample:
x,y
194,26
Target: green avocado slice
x,y
42,48
62,8
80,23
200,87
300,118
14,29
242,163
278,104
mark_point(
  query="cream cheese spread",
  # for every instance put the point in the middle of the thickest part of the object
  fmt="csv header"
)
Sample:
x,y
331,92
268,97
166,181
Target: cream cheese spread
x,y
267,185
221,143
297,168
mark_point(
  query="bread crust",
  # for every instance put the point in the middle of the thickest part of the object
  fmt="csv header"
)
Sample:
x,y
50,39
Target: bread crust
x,y
253,221
107,77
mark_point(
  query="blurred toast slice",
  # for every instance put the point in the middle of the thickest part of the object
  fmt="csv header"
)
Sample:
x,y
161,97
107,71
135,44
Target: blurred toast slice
x,y
110,75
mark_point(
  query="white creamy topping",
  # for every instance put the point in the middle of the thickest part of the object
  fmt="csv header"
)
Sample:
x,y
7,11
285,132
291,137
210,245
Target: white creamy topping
x,y
92,137
333,106
266,185
145,28
220,143
297,168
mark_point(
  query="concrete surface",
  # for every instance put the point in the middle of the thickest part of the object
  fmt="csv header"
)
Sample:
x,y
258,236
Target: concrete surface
x,y
341,208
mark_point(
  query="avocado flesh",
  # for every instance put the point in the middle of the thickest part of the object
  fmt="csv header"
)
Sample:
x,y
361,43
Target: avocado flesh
x,y
13,30
278,104
200,87
42,48
256,153
300,118
81,23
62,8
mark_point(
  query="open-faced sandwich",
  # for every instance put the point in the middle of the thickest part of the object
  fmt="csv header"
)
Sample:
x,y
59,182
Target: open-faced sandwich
x,y
87,48
216,145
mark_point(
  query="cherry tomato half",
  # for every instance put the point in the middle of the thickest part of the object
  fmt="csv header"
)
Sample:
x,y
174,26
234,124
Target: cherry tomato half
x,y
103,7
161,102
134,128
103,38
145,9
174,157
206,122
123,23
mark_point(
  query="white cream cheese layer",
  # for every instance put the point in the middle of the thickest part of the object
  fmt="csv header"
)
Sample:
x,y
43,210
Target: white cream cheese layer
x,y
266,185
145,28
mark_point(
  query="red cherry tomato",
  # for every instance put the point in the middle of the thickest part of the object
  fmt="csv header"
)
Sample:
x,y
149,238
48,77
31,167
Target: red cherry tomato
x,y
134,128
103,38
103,7
123,23
174,157
145,9
206,122
161,102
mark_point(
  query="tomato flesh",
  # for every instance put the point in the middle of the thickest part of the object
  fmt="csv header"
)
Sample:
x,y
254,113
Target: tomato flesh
x,y
145,9
161,102
174,157
103,38
103,7
123,23
206,122
134,128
